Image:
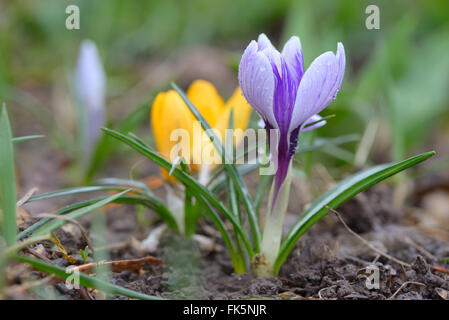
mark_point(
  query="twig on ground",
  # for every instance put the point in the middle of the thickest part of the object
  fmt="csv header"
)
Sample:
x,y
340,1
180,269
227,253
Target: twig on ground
x,y
321,297
131,265
38,255
441,269
420,249
25,198
376,259
84,293
403,285
369,245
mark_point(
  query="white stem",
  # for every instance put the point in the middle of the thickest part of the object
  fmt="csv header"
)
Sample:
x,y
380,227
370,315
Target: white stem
x,y
175,203
274,221
204,174
151,243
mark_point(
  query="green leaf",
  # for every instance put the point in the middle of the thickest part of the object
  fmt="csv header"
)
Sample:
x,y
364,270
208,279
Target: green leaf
x,y
84,279
55,224
84,254
341,193
7,180
127,182
237,262
73,191
26,138
147,198
63,210
264,183
322,143
243,170
153,204
230,168
157,206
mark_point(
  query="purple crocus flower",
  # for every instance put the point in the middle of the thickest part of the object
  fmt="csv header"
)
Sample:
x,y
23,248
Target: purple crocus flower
x,y
286,97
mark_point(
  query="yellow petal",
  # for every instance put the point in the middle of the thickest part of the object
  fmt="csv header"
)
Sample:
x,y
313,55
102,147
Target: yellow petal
x,y
169,112
207,100
241,115
211,106
242,110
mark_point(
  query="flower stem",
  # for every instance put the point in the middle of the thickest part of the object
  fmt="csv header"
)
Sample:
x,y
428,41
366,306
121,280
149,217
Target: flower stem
x,y
273,227
175,204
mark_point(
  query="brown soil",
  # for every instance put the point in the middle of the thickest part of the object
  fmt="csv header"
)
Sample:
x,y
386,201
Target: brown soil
x,y
327,263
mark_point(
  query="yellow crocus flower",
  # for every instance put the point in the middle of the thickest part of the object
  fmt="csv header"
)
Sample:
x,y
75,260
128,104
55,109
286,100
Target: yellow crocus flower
x,y
169,112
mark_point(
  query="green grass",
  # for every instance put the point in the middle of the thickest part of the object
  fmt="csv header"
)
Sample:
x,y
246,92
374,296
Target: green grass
x,y
7,180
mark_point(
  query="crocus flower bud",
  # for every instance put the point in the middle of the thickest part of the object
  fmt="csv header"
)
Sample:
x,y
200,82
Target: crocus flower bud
x,y
90,89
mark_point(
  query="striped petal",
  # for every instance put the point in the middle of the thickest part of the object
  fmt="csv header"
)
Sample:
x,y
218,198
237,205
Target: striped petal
x,y
292,54
319,86
307,126
263,42
257,82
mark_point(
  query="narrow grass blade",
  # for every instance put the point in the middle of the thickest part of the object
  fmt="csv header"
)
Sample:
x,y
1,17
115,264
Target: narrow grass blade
x,y
7,180
84,279
157,206
73,191
321,143
234,204
230,168
341,193
189,214
26,138
127,182
264,183
237,261
55,224
243,170
63,210
147,198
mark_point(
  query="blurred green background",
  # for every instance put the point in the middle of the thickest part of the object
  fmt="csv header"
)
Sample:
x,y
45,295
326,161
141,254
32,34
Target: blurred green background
x,y
394,96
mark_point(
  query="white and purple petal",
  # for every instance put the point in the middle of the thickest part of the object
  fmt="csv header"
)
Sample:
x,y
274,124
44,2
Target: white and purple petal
x,y
90,87
286,97
257,82
90,78
263,42
292,54
319,86
313,123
